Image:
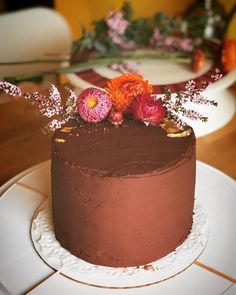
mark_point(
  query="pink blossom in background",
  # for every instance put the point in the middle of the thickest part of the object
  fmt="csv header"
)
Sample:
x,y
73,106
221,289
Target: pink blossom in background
x,y
155,39
117,26
131,66
116,22
121,41
125,67
115,37
127,45
185,44
171,42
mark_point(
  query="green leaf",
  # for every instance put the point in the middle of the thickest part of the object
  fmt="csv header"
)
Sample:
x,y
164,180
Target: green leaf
x,y
139,31
100,46
127,10
100,26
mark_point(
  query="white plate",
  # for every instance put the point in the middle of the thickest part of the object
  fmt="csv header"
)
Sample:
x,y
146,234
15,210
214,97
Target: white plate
x,y
21,269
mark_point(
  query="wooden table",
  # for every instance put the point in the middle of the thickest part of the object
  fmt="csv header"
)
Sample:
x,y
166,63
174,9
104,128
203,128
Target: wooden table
x,y
22,144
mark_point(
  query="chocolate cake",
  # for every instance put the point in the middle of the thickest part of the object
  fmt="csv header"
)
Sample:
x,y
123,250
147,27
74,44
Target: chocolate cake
x,y
123,168
121,196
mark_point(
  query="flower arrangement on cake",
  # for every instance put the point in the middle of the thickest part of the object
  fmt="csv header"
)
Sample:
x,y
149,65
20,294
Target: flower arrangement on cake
x,y
124,96
128,125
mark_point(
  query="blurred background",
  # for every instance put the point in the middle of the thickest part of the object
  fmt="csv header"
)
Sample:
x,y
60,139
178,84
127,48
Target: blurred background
x,y
77,12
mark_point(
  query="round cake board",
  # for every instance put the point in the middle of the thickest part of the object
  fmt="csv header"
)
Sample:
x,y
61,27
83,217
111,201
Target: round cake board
x,y
50,250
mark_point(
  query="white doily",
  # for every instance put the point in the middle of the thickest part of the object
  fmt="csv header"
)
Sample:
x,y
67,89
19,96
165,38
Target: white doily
x,y
57,257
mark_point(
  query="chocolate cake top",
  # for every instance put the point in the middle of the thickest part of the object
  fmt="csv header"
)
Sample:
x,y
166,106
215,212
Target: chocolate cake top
x,y
129,150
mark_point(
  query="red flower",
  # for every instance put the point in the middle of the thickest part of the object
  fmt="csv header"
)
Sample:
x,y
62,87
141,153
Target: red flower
x,y
147,108
116,118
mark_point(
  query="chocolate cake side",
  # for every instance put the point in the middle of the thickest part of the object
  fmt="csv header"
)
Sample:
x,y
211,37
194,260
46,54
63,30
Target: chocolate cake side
x,y
121,196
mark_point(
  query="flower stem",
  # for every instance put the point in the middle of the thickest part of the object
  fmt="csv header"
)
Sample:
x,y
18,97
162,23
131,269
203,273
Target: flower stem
x,y
36,61
95,61
105,61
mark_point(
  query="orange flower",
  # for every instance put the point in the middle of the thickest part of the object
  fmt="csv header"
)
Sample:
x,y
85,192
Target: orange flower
x,y
228,55
124,88
198,60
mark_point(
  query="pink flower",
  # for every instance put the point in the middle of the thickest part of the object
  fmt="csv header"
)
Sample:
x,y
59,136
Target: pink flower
x,y
155,39
125,67
115,37
121,40
170,41
186,44
147,108
127,44
93,105
116,22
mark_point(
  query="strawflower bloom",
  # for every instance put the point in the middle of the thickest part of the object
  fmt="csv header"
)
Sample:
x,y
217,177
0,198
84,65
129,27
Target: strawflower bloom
x,y
93,105
125,88
149,109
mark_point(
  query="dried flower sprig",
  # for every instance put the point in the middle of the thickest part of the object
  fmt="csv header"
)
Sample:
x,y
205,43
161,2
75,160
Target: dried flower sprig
x,y
175,105
50,106
63,112
10,88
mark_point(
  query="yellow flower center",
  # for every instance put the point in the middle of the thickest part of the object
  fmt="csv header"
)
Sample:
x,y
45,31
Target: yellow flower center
x,y
91,102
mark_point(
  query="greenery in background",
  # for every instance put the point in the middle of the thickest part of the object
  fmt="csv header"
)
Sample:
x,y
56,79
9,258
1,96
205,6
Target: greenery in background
x,y
203,15
98,48
204,19
139,30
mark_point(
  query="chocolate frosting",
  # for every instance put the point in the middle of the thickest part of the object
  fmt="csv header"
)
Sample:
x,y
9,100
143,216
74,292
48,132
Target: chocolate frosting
x,y
121,196
129,150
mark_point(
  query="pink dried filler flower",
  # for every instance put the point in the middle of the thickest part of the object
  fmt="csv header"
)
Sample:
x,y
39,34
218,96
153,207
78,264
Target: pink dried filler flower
x,y
93,105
